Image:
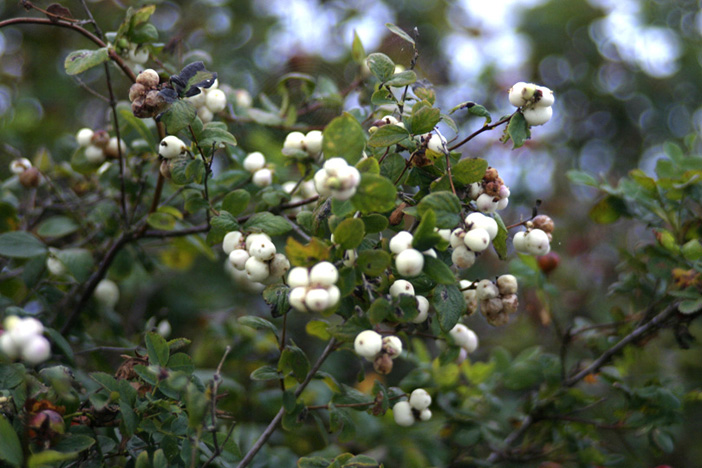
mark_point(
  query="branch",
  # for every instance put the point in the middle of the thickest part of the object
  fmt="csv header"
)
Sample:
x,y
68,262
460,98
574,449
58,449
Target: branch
x,y
483,129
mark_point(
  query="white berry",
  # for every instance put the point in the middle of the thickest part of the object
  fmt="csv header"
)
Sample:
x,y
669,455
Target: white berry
x,y
279,265
537,115
107,293
262,177
462,257
148,78
254,161
409,262
425,414
94,154
477,239
313,142
324,274
401,287
368,344
205,114
402,413
251,239
486,203
547,98
317,299
519,242
420,399
84,136
238,258
507,284
36,350
464,337
478,220
216,100
297,298
401,241
422,309
334,295
171,146
257,270
298,276
537,242
262,249
521,93
232,241
392,346
486,289
294,141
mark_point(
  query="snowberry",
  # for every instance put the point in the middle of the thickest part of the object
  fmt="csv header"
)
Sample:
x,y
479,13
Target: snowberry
x,y
420,399
445,234
205,114
138,56
464,337
392,346
320,183
107,293
425,414
254,161
502,204
390,120
251,239
232,241
334,295
491,307
257,270
507,284
478,220
148,78
84,136
368,344
537,242
401,287
164,328
26,329
8,346
546,97
519,242
510,303
537,115
422,309
474,190
401,241
55,266
36,350
349,258
298,276
437,143
313,142
294,141
114,147
402,413
486,289
543,222
170,147
242,98
297,298
10,322
521,93
409,262
477,239
199,99
486,203
317,299
456,238
462,257
216,100
18,166
262,249
94,154
262,177
279,265
324,274
238,258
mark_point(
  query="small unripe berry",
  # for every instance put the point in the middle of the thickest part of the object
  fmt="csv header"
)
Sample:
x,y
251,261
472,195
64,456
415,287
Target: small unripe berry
x,y
462,257
297,298
256,269
216,100
84,136
409,262
148,78
402,413
36,350
298,276
313,142
392,346
401,241
171,146
317,299
401,287
232,241
368,344
324,274
294,141
425,414
507,284
238,258
107,293
464,337
537,115
486,289
262,177
422,309
420,399
477,239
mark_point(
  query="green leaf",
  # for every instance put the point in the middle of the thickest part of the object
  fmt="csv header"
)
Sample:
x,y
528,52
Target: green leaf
x,y
424,118
74,443
518,130
404,78
499,243
277,296
10,447
266,373
178,116
220,226
257,323
236,202
306,255
20,244
215,135
608,210
381,66
425,237
79,262
369,165
106,380
468,171
48,458
162,221
582,178
358,53
294,360
400,32
313,462
381,97
157,349
375,223
690,306
318,329
379,311
445,205
373,262
144,33
474,109
344,138
387,135
449,304
349,233
268,223
137,124
160,460
438,270
57,226
81,60
375,193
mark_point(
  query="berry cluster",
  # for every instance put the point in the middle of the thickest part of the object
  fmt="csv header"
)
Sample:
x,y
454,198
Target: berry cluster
x,y
22,338
256,255
465,338
434,142
405,287
381,351
406,413
387,120
28,175
337,178
409,262
497,300
534,100
299,192
255,163
144,95
310,143
98,145
490,194
480,230
314,289
209,101
536,240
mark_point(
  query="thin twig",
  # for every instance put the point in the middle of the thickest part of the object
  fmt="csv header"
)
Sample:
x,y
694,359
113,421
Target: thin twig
x,y
485,128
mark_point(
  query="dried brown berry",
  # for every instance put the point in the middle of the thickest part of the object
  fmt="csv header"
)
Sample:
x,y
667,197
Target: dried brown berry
x,y
100,138
544,223
30,178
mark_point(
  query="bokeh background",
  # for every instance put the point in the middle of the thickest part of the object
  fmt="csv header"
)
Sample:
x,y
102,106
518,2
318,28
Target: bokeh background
x,y
626,74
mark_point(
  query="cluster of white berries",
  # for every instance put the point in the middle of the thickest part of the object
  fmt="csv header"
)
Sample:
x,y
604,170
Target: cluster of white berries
x,y
497,300
107,293
314,289
337,178
465,338
490,194
409,262
387,120
255,163
209,101
378,349
407,413
256,255
23,338
535,101
172,147
310,143
405,287
480,230
99,145
536,240
299,192
434,142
